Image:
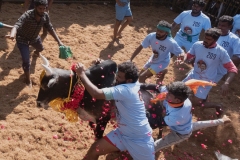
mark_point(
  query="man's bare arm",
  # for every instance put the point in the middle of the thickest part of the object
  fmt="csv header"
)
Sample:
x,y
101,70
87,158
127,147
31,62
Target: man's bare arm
x,y
136,52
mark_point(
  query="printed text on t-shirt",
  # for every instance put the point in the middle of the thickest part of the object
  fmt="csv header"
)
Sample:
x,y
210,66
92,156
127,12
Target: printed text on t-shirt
x,y
162,48
196,24
225,44
211,55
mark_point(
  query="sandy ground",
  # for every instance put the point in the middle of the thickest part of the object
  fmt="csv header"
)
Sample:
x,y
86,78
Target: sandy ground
x,y
27,132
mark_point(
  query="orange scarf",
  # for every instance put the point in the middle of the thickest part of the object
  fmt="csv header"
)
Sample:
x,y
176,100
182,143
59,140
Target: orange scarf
x,y
192,83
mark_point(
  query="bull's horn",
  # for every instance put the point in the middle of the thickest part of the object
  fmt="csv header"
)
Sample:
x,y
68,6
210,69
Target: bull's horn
x,y
48,70
45,61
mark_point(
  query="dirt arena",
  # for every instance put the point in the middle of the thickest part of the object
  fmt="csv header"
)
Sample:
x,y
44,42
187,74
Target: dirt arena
x,y
27,132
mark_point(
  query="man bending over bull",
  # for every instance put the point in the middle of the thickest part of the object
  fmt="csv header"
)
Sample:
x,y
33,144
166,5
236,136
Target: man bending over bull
x,y
133,133
27,30
178,114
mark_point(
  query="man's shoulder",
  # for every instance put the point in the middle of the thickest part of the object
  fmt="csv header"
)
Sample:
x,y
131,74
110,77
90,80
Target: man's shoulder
x,y
198,43
187,103
171,39
237,16
186,12
29,13
127,85
233,36
204,16
220,49
152,34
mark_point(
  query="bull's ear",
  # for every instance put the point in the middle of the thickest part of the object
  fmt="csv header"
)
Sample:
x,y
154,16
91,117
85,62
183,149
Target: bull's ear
x,y
48,70
44,60
51,82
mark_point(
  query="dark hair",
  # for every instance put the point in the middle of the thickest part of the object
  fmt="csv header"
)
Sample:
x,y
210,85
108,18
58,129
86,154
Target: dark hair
x,y
201,3
164,24
215,33
179,90
130,70
226,18
40,2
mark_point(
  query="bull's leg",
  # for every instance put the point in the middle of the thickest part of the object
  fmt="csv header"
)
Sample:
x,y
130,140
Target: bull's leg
x,y
101,125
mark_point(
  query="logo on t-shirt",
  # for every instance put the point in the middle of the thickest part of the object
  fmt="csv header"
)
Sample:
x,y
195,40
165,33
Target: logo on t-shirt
x,y
188,30
155,54
202,65
196,24
225,44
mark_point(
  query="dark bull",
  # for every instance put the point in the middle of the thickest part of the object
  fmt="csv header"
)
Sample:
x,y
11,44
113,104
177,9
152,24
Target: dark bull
x,y
56,84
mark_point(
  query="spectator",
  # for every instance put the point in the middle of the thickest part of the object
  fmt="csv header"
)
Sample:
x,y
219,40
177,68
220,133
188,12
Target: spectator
x,y
27,30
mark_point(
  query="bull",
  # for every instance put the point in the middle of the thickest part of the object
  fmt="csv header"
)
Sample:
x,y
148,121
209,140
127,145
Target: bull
x,y
56,83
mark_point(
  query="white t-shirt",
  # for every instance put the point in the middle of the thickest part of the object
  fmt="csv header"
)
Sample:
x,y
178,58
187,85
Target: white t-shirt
x,y
164,48
207,61
192,25
231,43
236,24
131,113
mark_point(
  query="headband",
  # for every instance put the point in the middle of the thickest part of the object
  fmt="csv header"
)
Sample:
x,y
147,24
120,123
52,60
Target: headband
x,y
166,29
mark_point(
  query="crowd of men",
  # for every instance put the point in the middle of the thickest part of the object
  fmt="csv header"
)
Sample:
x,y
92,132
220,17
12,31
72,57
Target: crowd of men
x,y
215,58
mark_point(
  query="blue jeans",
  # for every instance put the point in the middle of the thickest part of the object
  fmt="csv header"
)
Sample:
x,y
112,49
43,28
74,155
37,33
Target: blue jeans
x,y
25,53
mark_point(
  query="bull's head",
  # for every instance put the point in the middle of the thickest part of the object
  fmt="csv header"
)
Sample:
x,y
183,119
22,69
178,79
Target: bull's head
x,y
55,83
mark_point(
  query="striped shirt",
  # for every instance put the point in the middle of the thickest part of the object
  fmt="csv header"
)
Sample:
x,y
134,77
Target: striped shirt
x,y
28,28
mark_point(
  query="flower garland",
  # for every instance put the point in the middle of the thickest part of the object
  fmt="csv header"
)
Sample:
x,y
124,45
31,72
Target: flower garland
x,y
70,105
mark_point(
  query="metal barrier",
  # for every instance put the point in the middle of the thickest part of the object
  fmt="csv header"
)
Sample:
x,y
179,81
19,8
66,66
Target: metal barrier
x,y
217,8
214,8
150,2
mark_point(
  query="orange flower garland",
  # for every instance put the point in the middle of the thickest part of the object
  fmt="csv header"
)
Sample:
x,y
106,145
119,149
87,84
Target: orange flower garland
x,y
70,105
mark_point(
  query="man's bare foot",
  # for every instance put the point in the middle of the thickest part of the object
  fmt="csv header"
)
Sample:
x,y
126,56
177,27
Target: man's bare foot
x,y
226,119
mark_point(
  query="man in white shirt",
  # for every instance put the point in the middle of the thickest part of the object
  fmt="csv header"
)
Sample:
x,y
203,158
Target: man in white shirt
x,y
123,15
162,45
133,133
209,55
236,25
229,41
191,24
